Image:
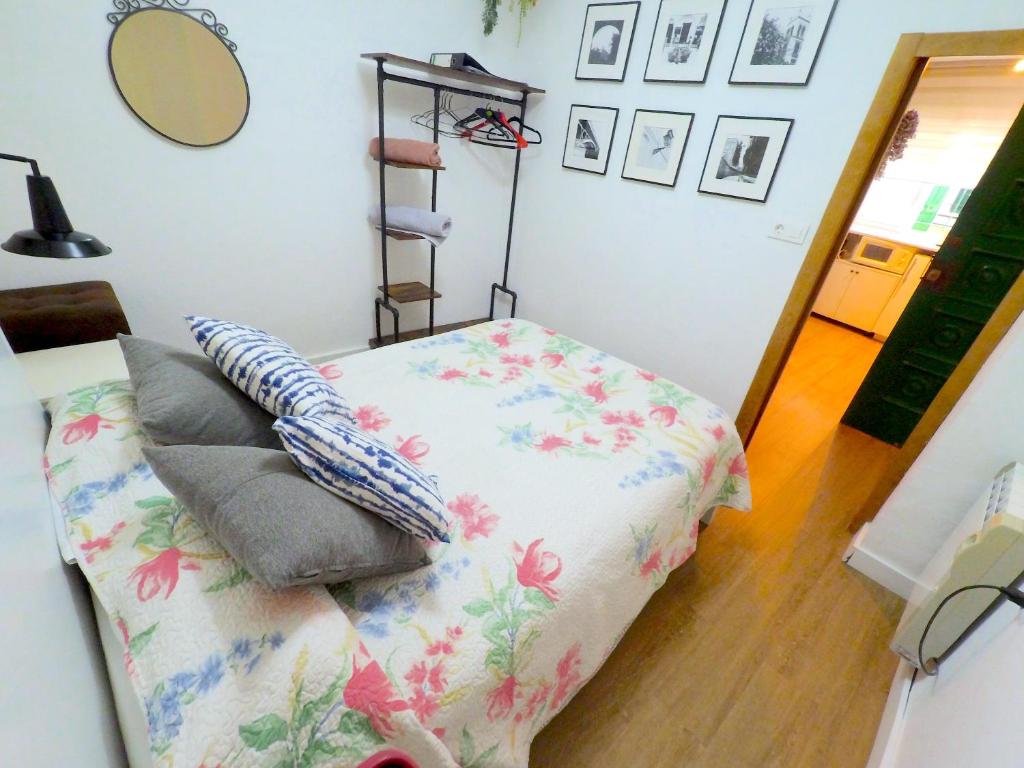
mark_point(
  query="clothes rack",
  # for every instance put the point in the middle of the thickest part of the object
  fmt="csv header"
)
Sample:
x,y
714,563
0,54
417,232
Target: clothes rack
x,y
406,292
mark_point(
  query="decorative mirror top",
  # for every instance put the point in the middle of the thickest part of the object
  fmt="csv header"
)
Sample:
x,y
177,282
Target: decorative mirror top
x,y
175,68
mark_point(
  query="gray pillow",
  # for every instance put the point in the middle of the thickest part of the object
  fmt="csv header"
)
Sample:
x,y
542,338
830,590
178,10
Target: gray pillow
x,y
184,399
283,528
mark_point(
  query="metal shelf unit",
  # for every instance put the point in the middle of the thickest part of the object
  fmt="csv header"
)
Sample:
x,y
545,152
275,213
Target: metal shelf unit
x,y
427,292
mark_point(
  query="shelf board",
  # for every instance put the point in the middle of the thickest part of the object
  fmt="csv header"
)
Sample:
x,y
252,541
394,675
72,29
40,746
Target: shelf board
x,y
404,293
397,234
423,333
458,75
413,166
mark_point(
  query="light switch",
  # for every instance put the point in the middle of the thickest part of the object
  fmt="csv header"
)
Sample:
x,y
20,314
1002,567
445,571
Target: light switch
x,y
790,233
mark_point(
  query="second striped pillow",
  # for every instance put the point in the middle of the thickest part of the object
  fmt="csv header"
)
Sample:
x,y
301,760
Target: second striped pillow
x,y
345,460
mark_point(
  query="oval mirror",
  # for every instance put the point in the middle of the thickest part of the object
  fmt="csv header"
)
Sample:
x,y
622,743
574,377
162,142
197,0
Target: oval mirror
x,y
178,76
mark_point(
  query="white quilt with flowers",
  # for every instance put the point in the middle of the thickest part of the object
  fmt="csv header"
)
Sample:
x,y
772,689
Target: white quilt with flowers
x,y
574,483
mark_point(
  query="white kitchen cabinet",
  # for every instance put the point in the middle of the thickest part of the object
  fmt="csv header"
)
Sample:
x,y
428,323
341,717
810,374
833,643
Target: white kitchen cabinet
x,y
902,295
855,294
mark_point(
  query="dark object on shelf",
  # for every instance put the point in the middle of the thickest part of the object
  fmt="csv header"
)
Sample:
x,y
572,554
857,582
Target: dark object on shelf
x,y
488,81
52,235
462,61
50,316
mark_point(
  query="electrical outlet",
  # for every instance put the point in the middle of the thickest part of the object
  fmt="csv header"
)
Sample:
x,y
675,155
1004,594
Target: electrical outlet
x,y
790,233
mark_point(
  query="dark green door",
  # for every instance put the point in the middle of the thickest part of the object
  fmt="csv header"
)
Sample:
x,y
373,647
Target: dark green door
x,y
972,272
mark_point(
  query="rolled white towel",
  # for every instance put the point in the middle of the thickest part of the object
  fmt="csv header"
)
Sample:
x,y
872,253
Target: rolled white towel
x,y
435,227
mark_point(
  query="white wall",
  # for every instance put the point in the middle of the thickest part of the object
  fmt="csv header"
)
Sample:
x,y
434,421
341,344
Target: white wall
x,y
55,708
683,283
981,435
269,228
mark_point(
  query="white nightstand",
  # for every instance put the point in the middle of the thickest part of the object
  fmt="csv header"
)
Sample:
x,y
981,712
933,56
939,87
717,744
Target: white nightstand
x,y
55,371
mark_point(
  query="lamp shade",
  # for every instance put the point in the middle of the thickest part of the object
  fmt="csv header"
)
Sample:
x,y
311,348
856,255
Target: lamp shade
x,y
74,245
52,235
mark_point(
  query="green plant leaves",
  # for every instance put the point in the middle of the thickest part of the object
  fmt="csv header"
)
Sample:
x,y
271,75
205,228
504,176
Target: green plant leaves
x,y
577,405
537,598
563,345
467,752
141,640
264,732
478,608
490,16
159,523
238,576
356,728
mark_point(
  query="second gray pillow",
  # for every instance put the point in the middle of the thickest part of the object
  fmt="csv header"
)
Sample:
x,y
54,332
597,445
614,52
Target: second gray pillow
x,y
284,529
184,399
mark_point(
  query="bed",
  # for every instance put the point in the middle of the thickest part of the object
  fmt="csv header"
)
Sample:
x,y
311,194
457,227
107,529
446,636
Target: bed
x,y
574,482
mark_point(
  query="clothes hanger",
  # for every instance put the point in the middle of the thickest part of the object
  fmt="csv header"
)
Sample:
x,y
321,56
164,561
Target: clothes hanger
x,y
498,129
481,125
505,135
446,118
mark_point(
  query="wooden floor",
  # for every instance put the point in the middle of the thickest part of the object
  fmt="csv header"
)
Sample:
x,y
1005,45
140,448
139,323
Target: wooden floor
x,y
764,649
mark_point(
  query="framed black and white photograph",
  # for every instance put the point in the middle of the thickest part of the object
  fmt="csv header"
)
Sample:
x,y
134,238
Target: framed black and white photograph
x,y
684,40
588,139
744,156
607,40
656,145
781,41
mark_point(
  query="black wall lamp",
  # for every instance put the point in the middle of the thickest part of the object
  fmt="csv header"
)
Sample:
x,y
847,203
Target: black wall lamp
x,y
52,235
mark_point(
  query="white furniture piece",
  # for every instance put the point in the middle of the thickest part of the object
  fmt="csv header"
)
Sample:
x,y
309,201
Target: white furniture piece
x,y
901,296
855,294
54,371
56,706
969,714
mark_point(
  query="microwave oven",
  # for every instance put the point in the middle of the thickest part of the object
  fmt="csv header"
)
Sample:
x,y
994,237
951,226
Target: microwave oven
x,y
882,254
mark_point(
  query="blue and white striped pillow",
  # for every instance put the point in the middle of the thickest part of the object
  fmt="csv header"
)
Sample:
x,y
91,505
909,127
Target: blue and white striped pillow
x,y
350,463
266,369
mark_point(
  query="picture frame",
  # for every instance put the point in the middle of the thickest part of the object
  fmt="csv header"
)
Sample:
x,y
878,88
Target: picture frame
x,y
589,137
607,41
683,41
744,156
781,41
657,143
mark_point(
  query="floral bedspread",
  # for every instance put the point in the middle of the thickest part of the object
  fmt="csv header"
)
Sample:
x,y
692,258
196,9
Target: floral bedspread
x,y
574,482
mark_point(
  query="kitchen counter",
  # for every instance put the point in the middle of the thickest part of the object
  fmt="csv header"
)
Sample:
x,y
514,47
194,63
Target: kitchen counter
x,y
923,241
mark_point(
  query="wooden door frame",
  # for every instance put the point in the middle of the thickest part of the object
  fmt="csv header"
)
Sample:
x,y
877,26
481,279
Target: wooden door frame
x,y
904,70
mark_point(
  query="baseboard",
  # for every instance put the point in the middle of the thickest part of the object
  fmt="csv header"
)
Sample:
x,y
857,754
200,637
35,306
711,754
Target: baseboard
x,y
325,356
876,568
885,752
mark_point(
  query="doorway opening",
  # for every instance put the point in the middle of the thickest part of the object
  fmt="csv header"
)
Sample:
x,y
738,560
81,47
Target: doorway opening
x,y
913,275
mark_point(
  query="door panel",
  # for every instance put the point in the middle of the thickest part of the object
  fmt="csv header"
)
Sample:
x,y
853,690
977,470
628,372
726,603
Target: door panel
x,y
978,263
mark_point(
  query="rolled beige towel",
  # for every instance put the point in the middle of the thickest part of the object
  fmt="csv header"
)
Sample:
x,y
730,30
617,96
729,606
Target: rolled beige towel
x,y
407,151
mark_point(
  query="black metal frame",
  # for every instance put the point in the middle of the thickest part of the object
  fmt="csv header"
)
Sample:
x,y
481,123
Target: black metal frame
x,y
206,17
437,88
629,49
611,139
814,61
775,170
707,63
686,140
